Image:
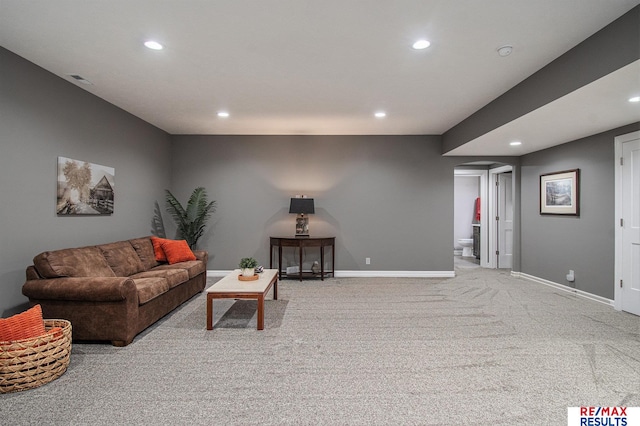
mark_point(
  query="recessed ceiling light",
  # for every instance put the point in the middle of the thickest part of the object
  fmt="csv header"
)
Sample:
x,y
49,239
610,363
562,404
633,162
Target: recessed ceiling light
x,y
515,143
380,114
635,99
505,50
154,45
223,114
421,44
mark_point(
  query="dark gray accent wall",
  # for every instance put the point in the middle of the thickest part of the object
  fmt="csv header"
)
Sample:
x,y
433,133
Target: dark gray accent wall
x,y
608,50
552,245
389,198
42,117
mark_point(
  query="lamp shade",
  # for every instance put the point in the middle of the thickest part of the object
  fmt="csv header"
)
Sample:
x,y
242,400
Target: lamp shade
x,y
302,206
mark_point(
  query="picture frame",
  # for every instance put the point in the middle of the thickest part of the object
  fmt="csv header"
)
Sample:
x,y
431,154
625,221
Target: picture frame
x,y
560,193
84,188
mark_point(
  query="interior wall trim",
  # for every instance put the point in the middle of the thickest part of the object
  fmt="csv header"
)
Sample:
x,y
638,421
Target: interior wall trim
x,y
218,273
396,274
579,293
367,274
618,268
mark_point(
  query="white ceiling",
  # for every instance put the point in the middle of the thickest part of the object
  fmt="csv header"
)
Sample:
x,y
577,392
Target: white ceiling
x,y
599,106
325,67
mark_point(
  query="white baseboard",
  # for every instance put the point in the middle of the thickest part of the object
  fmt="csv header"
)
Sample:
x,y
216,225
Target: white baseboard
x,y
218,273
580,293
368,274
396,274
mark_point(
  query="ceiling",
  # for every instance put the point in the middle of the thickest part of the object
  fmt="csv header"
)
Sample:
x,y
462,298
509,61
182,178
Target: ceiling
x,y
325,67
594,108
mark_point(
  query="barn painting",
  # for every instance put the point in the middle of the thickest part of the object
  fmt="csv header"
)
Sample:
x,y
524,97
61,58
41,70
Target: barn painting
x,y
84,188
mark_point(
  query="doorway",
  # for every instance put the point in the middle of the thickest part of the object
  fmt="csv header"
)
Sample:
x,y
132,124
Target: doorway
x,y
470,189
500,224
504,221
627,211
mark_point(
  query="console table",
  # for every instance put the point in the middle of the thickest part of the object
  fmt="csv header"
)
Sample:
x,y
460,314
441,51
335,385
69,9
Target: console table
x,y
302,242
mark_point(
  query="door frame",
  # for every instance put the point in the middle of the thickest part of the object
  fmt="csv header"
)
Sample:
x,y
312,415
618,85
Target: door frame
x,y
492,261
619,140
484,176
503,212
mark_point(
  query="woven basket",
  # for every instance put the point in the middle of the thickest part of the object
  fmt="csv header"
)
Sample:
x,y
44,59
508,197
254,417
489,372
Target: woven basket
x,y
29,363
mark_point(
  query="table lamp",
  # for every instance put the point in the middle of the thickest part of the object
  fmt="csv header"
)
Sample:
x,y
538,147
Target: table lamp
x,y
302,206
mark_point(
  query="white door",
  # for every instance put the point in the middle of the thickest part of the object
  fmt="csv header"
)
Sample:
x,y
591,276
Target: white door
x,y
630,250
504,220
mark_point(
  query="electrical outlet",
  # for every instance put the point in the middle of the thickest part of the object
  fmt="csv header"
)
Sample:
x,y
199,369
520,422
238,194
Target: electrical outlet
x,y
367,261
571,276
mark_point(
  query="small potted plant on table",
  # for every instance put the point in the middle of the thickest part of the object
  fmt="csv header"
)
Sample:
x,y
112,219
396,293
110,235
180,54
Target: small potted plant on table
x,y
248,267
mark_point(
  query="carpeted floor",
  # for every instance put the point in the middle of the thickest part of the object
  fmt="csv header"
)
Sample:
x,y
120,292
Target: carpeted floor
x,y
481,348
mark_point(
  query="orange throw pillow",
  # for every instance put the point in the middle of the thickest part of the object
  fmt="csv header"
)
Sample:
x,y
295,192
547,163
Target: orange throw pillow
x,y
157,248
56,331
21,326
177,251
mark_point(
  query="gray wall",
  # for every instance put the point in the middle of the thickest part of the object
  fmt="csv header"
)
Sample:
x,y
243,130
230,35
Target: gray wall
x,y
43,117
389,198
551,245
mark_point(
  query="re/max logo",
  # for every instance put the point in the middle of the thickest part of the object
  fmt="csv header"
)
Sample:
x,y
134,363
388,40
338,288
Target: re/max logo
x,y
603,411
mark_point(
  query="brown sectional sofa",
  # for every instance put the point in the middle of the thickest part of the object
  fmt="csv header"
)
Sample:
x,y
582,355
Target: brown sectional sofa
x,y
111,291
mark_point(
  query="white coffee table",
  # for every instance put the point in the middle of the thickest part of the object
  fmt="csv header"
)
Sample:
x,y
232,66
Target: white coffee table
x,y
230,287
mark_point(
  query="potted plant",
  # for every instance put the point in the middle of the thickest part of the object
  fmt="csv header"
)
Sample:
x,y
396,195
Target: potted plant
x,y
248,266
191,220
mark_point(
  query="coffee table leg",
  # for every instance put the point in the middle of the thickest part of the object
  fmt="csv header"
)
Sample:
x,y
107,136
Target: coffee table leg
x,y
209,311
275,289
261,312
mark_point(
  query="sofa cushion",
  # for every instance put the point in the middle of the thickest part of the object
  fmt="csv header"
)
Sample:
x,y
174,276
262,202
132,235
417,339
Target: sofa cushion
x,y
25,325
174,277
144,248
193,267
150,288
73,262
122,258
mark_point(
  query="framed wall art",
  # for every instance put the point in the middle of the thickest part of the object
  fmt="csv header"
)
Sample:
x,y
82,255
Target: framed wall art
x,y
84,188
560,193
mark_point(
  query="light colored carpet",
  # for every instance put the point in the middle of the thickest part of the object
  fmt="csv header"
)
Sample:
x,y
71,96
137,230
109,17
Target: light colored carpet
x,y
481,348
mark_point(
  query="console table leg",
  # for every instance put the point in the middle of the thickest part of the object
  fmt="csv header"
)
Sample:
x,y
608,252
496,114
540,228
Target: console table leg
x,y
300,248
333,261
322,263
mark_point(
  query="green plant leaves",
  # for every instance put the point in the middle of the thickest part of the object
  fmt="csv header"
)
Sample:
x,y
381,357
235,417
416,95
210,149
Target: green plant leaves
x,y
248,262
191,221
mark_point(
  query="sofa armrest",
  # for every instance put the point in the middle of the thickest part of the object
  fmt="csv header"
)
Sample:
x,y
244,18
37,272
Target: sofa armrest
x,y
89,289
203,256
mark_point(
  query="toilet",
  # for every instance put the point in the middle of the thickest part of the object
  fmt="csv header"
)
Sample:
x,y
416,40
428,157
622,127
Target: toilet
x,y
467,246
